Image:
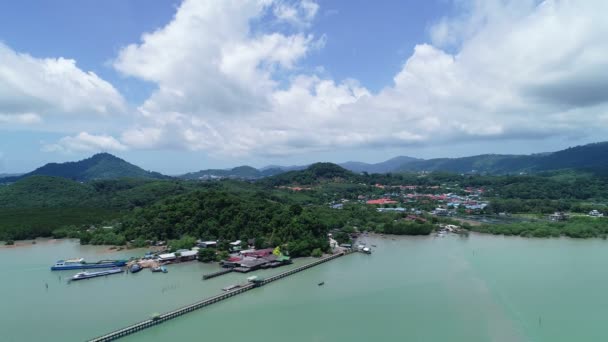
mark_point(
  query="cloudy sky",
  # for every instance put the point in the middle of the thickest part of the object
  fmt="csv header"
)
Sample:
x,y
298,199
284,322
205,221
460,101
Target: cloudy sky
x,y
177,86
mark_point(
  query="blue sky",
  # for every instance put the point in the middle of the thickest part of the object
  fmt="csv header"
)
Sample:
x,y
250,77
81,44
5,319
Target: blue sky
x,y
220,84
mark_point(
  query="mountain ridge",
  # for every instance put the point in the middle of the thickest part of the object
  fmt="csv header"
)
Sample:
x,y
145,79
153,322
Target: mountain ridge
x,y
106,166
589,156
97,167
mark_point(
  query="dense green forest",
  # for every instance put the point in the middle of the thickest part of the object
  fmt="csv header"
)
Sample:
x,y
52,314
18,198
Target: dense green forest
x,y
579,227
27,223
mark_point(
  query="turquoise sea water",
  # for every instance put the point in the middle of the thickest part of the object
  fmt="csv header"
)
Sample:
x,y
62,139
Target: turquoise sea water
x,y
480,288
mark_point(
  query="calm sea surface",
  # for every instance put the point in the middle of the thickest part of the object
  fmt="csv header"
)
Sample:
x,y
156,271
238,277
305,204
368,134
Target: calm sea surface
x,y
480,288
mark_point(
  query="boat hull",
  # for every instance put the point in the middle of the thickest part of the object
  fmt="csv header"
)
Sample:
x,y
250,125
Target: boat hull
x,y
98,274
88,266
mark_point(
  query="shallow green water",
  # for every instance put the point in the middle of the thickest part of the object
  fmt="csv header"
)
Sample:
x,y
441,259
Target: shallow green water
x,y
481,288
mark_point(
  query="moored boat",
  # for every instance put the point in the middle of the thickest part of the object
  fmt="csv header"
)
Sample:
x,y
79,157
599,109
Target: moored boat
x,y
88,275
135,268
79,264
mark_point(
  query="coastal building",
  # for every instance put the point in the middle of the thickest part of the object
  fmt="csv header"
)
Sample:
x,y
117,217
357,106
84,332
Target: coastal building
x,y
188,255
381,210
259,253
440,212
558,216
206,244
595,213
244,264
235,246
167,257
381,201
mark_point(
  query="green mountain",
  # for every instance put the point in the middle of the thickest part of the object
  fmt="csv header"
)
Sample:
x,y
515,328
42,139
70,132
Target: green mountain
x,y
593,157
314,174
99,166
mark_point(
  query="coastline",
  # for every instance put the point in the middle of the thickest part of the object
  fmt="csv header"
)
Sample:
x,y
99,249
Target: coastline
x,y
20,244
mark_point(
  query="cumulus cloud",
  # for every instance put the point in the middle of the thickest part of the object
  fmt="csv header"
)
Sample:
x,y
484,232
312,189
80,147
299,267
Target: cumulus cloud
x,y
33,88
85,142
207,59
500,70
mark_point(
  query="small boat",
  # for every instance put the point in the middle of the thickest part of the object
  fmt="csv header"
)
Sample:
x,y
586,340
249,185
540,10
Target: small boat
x,y
88,275
366,250
135,268
159,269
373,245
321,283
78,264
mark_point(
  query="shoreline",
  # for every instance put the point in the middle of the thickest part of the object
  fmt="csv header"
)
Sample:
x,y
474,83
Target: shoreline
x,y
114,249
47,240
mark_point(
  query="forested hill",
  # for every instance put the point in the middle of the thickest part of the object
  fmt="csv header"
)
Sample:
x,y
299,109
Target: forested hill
x,y
99,166
314,174
591,157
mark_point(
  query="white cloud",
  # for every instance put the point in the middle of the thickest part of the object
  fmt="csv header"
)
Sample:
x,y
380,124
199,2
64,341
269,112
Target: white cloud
x,y
301,13
208,61
521,69
85,142
23,118
33,88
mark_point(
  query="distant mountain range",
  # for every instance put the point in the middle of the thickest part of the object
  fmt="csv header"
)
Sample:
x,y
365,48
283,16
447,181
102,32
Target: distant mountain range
x,y
107,166
240,172
590,157
390,165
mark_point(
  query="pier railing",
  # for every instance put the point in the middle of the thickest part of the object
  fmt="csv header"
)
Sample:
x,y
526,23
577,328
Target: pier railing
x,y
212,300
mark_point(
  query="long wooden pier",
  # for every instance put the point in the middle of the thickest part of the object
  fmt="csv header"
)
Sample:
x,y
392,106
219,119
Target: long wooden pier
x,y
216,274
206,302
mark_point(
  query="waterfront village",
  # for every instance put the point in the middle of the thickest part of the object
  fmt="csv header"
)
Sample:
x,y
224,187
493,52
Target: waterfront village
x,y
238,260
446,208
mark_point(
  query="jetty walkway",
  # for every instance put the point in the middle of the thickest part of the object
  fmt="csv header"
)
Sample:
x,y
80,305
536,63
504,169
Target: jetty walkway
x,y
217,274
206,302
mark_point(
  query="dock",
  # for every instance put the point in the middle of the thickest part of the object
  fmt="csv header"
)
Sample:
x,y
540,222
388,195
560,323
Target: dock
x,y
217,274
206,302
